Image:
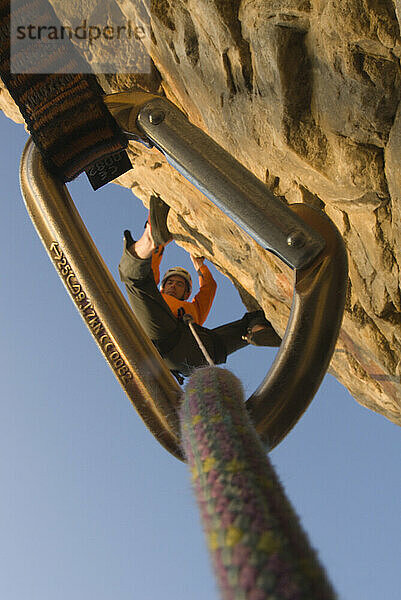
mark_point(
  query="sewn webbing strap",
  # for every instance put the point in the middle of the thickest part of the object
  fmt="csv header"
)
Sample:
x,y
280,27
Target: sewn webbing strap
x,y
63,109
258,547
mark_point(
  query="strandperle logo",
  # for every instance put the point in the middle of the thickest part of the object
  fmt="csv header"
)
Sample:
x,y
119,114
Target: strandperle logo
x,y
74,40
84,31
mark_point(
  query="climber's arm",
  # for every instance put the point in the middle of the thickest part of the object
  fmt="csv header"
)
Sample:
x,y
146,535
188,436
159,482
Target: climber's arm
x,y
204,298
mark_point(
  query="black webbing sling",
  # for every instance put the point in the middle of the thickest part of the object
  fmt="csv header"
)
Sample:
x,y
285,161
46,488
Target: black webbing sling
x,y
63,109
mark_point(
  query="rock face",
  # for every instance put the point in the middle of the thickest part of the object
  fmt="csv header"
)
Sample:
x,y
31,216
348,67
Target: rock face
x,y
306,94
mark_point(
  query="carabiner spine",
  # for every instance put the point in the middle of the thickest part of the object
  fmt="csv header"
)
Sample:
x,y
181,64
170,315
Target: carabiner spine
x,y
127,349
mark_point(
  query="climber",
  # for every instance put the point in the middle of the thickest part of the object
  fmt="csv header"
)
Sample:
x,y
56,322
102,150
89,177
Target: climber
x,y
160,312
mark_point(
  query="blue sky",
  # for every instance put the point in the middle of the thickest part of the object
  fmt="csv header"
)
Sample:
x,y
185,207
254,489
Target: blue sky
x,y
91,505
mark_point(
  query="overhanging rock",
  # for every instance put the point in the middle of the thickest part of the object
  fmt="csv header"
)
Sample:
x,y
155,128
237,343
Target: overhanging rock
x,y
306,95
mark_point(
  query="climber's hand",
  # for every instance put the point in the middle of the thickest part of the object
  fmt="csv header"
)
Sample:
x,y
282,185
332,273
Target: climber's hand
x,y
197,261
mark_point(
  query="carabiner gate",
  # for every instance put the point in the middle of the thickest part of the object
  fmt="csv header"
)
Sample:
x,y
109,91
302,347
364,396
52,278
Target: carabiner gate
x,y
302,237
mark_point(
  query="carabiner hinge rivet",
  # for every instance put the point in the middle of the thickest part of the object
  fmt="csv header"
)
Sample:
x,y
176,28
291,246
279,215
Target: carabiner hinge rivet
x,y
296,239
156,116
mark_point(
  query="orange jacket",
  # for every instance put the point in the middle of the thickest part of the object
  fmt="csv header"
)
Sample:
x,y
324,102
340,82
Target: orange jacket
x,y
201,304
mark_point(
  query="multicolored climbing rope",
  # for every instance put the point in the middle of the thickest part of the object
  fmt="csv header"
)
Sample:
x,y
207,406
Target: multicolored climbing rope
x,y
258,547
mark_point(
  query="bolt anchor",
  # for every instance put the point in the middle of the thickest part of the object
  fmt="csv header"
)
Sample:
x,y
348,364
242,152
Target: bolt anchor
x,y
296,239
156,117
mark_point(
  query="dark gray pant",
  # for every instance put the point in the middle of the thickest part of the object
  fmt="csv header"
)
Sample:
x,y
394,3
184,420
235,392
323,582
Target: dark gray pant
x,y
170,335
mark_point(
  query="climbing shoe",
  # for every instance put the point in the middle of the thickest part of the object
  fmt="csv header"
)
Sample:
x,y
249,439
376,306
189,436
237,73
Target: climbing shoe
x,y
264,337
158,211
128,238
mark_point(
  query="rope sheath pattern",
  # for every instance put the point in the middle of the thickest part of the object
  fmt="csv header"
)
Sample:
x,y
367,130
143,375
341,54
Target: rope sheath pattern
x,y
258,547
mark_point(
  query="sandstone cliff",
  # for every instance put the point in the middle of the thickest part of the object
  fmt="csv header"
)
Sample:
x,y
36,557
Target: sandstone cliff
x,y
306,94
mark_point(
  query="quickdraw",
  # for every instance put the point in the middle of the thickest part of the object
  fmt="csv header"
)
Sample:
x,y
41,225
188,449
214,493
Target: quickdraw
x,y
63,105
302,237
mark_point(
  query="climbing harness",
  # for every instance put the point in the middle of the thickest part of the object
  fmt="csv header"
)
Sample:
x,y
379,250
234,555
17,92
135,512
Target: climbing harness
x,y
301,236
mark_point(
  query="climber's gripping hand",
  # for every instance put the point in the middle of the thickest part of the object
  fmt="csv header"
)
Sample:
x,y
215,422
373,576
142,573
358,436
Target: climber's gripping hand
x,y
197,261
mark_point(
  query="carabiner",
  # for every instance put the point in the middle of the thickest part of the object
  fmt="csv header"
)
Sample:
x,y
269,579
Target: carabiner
x,y
122,341
228,184
302,237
